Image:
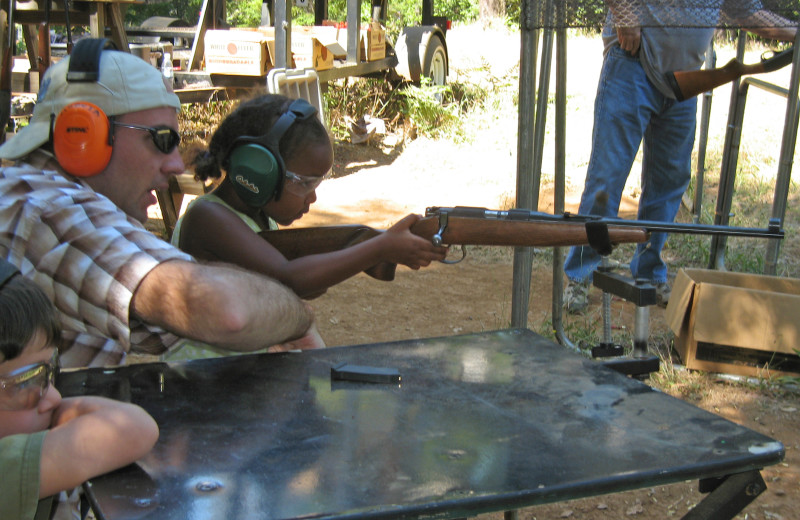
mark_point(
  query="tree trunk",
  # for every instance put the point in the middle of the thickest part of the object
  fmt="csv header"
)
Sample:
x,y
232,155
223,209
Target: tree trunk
x,y
491,9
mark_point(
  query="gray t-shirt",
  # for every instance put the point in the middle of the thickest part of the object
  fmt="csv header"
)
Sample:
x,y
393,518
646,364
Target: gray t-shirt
x,y
667,49
665,45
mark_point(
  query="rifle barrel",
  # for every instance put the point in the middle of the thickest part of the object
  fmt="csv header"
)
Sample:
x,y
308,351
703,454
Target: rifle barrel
x,y
701,229
772,231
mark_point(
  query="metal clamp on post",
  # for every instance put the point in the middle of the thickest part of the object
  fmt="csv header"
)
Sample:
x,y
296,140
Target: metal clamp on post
x,y
607,348
643,295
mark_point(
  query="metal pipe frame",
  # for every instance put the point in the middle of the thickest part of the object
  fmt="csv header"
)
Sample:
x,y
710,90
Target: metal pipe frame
x,y
560,191
731,154
702,145
523,256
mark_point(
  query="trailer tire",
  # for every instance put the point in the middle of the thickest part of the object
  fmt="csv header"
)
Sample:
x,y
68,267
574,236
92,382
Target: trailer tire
x,y
435,66
421,51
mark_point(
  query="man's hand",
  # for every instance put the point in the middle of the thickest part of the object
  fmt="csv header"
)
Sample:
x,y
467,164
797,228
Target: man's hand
x,y
629,39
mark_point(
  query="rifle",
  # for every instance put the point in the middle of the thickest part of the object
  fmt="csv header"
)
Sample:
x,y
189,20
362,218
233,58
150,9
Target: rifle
x,y
465,226
689,83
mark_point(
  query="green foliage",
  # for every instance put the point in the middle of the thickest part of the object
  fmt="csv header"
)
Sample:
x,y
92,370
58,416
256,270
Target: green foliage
x,y
199,120
241,13
426,111
186,10
356,97
244,13
513,12
435,111
404,13
302,16
337,10
462,11
401,13
588,14
247,13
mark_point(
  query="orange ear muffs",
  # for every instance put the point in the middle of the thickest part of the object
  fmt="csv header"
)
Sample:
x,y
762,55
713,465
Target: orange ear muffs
x,y
82,139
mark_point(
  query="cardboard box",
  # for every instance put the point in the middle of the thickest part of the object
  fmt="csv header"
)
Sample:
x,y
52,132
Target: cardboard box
x,y
373,39
312,47
736,323
309,49
239,52
327,36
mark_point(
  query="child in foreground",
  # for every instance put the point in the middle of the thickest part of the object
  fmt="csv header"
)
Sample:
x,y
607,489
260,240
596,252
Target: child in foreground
x,y
49,444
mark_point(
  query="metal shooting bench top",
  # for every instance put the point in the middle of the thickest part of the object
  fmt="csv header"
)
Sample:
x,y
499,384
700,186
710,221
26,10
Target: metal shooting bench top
x,y
478,423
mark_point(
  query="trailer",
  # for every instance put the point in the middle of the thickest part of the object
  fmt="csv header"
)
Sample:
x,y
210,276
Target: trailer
x,y
419,51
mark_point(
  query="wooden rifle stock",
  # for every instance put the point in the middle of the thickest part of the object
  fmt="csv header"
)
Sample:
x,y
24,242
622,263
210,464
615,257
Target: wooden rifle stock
x,y
297,242
689,83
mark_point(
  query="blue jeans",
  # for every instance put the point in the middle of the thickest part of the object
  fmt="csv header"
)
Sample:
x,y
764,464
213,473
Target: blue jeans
x,y
629,109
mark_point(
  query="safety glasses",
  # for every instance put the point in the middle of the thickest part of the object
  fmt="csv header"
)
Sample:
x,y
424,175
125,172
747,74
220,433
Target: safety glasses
x,y
165,138
23,388
302,185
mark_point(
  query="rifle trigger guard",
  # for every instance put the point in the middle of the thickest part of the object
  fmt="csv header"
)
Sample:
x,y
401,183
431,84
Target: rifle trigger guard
x,y
463,256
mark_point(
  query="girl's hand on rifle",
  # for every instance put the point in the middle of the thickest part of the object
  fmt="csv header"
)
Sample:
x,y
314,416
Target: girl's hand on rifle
x,y
629,39
401,246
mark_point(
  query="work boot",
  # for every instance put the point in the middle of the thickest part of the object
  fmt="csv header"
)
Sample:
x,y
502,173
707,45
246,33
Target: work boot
x,y
576,296
663,291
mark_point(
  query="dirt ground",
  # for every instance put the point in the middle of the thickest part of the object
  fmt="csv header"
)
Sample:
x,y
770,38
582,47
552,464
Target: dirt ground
x,y
377,184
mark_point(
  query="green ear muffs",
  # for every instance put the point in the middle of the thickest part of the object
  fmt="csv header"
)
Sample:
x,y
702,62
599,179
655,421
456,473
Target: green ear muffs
x,y
256,167
256,174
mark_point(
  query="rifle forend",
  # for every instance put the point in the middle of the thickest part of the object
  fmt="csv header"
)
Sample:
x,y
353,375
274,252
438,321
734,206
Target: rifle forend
x,y
689,83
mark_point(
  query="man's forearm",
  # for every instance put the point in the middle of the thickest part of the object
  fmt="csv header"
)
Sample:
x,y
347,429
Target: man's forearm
x,y
221,305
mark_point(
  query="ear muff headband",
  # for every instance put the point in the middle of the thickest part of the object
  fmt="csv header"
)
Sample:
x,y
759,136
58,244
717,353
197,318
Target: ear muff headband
x,y
255,163
81,133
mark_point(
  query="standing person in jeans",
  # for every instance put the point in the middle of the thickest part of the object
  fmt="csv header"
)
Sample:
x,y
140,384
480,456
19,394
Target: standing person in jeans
x,y
103,136
635,105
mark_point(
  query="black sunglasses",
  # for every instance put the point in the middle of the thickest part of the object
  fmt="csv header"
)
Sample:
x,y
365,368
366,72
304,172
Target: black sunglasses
x,y
165,138
23,388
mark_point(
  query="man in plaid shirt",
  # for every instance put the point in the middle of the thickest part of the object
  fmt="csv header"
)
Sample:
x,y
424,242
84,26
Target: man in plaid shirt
x,y
79,235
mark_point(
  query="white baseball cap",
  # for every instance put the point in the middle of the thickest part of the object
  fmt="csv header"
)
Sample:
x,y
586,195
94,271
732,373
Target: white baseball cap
x,y
126,84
